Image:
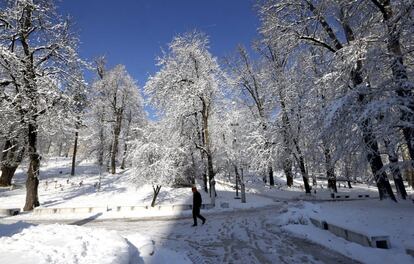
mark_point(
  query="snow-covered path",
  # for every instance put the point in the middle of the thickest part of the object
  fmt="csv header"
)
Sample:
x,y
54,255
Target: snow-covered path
x,y
249,236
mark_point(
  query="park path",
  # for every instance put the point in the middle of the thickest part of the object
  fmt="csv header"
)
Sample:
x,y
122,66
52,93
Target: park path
x,y
245,236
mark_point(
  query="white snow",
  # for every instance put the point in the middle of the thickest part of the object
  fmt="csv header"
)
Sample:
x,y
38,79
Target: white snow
x,y
72,244
282,192
368,217
22,243
57,189
63,244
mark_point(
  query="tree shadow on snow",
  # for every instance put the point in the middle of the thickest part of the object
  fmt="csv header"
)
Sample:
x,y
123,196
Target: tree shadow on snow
x,y
86,220
8,230
175,239
134,254
87,189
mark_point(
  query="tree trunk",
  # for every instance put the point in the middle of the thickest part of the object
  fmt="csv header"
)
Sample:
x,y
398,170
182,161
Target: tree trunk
x,y
113,155
304,173
271,179
60,148
107,158
205,182
101,148
11,158
299,157
237,176
49,144
201,141
287,168
156,190
375,162
32,182
330,170
124,156
395,170
7,173
398,181
302,167
117,132
287,162
408,171
194,168
31,90
347,172
210,169
129,119
75,149
301,160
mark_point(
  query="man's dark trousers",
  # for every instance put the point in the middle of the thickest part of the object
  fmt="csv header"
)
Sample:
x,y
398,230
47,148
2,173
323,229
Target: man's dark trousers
x,y
196,213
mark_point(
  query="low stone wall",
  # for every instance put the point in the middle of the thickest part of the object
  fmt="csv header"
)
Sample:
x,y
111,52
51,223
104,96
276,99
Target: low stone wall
x,y
362,238
9,211
76,210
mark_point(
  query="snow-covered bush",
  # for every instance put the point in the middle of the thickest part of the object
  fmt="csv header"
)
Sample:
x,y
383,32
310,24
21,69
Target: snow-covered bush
x,y
157,159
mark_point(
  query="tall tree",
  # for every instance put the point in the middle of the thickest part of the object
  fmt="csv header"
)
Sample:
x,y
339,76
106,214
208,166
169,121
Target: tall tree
x,y
119,93
185,87
311,23
249,77
79,95
396,18
43,49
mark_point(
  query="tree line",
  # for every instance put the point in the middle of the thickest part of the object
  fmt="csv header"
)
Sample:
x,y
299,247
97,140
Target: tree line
x,y
324,91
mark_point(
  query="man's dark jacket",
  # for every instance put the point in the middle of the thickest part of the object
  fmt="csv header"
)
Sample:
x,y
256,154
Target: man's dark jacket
x,y
196,200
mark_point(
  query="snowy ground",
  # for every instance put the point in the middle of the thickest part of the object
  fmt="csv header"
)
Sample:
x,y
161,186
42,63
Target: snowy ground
x,y
272,227
369,217
249,236
58,189
319,192
22,243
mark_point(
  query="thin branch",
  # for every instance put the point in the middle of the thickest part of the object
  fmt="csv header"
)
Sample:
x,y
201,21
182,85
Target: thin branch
x,y
318,42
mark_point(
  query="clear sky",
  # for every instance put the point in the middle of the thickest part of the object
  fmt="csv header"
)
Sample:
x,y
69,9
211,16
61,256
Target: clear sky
x,y
132,32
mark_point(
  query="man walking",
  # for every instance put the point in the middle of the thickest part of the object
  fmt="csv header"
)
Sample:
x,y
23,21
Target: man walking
x,y
196,206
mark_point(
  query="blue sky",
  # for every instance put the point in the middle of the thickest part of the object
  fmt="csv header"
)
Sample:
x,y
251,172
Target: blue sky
x,y
132,32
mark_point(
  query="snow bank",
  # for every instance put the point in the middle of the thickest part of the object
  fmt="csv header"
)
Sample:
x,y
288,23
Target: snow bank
x,y
23,243
298,214
63,244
